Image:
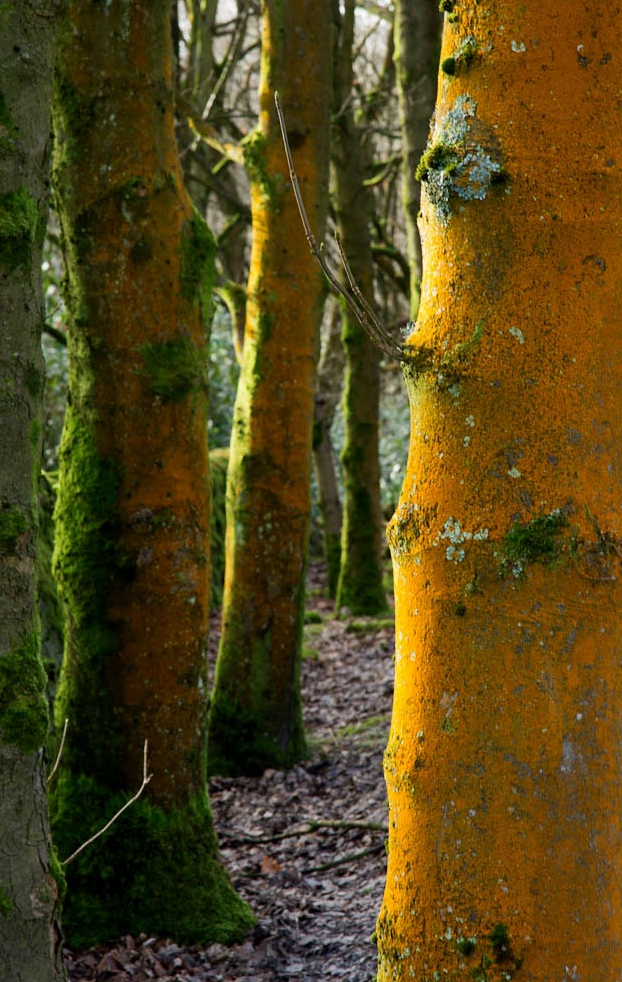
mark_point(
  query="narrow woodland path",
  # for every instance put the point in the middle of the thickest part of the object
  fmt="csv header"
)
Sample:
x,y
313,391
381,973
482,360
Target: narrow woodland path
x,y
304,847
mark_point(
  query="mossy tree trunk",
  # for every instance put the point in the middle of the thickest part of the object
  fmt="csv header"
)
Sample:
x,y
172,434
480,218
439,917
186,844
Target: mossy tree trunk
x,y
255,716
132,543
29,874
417,41
360,587
503,764
327,394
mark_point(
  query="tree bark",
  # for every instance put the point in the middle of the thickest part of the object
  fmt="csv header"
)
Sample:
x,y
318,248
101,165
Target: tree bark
x,y
132,543
360,586
328,387
30,877
417,36
255,716
503,764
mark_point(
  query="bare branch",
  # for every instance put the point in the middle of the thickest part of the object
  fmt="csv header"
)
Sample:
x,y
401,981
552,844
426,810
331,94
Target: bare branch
x,y
204,131
229,62
146,779
353,297
60,751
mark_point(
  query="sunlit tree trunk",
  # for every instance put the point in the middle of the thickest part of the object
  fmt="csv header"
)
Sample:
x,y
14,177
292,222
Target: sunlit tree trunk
x,y
503,766
360,587
29,873
255,717
417,37
132,544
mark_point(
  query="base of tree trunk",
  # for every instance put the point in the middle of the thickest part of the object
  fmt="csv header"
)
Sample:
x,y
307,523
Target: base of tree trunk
x,y
156,870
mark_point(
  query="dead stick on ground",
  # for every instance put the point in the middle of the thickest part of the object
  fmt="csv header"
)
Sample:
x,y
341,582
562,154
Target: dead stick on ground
x,y
350,858
146,779
312,826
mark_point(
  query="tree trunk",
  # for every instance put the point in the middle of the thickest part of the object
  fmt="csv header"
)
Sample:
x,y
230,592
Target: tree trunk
x,y
417,34
255,717
360,587
503,765
30,876
132,544
327,391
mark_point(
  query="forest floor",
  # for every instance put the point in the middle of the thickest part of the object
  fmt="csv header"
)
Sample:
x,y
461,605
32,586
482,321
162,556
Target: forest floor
x,y
304,847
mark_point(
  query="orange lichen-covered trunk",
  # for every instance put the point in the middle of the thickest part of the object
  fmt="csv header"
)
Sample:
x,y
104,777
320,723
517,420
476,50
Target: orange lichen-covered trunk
x,y
503,764
255,718
132,550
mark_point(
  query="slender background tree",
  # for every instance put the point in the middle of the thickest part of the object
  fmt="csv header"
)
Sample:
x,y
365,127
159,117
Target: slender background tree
x,y
503,765
417,42
255,713
360,587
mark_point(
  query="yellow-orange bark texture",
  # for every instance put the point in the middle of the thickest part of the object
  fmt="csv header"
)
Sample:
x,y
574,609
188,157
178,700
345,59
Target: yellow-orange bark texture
x,y
132,550
255,718
503,764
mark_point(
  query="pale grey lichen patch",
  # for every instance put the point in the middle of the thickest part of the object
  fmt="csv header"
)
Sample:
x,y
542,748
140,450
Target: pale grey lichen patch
x,y
456,161
455,537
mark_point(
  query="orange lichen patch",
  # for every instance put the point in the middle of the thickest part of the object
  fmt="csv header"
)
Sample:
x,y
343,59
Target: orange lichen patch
x,y
503,758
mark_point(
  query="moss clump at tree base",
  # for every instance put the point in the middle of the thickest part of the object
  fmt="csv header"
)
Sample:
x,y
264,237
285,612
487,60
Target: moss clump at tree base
x,y
155,870
239,743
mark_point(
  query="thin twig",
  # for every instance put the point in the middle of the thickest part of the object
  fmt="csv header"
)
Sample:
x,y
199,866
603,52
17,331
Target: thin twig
x,y
53,332
358,305
230,59
146,779
369,320
60,751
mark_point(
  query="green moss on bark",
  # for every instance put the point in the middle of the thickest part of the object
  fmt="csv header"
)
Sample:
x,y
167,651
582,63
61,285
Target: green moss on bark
x,y
13,523
19,228
249,734
5,903
175,369
86,561
198,250
241,742
360,587
254,150
537,541
23,706
128,881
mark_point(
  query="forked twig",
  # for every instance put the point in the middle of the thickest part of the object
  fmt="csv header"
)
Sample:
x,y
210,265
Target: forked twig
x,y
353,297
146,779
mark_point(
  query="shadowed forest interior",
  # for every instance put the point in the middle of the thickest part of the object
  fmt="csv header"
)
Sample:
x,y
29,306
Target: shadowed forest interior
x,y
310,528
